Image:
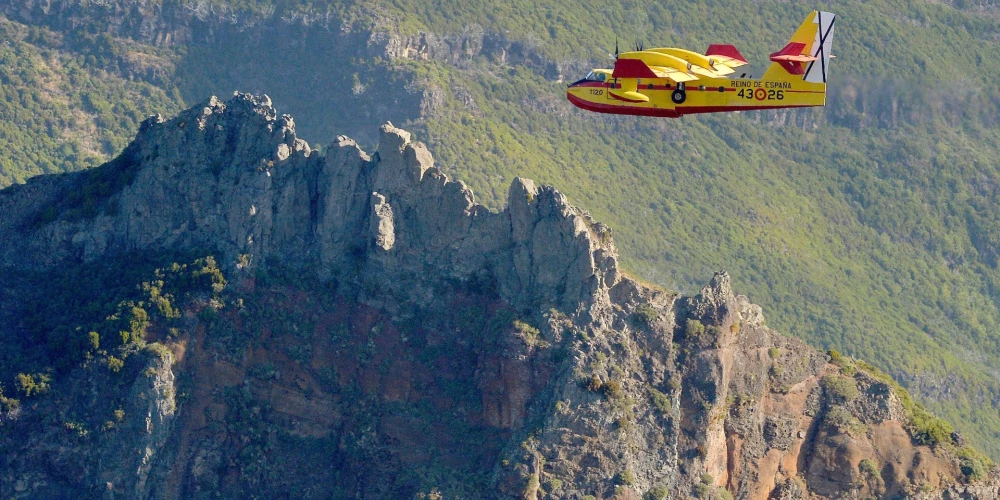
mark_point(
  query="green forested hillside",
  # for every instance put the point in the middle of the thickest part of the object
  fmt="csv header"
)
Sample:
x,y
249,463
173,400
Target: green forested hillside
x,y
869,226
59,110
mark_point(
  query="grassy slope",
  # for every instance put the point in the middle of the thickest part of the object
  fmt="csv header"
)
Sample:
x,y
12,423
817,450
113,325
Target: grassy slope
x,y
861,229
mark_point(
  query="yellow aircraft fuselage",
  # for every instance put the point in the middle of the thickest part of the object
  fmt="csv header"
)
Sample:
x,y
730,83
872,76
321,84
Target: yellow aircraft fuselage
x,y
672,100
672,82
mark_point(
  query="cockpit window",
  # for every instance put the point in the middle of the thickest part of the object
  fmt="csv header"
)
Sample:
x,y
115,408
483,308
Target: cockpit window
x,y
601,77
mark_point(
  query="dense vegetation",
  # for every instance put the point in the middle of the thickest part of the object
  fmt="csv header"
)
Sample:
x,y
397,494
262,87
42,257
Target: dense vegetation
x,y
93,325
59,110
869,226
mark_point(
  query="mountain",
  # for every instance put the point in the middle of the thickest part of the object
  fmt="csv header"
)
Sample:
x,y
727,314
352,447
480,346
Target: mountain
x,y
222,309
868,227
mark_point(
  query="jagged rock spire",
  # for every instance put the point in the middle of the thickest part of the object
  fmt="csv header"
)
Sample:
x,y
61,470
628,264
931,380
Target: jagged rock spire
x,y
234,177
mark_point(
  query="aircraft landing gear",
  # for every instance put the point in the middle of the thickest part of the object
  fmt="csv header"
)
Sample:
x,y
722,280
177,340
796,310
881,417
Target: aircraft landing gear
x,y
679,95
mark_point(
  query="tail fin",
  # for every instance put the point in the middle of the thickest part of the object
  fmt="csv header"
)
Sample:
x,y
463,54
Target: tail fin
x,y
808,51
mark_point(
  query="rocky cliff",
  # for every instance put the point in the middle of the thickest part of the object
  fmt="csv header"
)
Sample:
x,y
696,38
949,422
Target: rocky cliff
x,y
371,331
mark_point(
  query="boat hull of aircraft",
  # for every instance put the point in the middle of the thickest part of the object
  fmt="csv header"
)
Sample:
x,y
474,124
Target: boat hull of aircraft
x,y
709,98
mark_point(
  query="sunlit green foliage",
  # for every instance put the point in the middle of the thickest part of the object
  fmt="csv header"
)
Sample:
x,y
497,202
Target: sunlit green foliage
x,y
840,389
974,464
59,112
72,315
30,385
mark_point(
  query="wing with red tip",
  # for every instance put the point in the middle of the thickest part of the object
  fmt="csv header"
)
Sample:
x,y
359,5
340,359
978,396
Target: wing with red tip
x,y
726,54
632,68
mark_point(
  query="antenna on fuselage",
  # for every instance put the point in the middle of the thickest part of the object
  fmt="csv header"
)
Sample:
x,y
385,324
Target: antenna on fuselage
x,y
616,47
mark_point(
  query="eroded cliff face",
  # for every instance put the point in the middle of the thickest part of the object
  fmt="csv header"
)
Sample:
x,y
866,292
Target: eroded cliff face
x,y
417,342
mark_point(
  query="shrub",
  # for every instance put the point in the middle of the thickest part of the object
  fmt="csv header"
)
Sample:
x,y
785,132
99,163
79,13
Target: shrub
x,y
115,364
674,384
94,339
646,315
530,334
159,350
774,352
8,405
624,422
553,484
594,383
702,490
613,390
834,356
694,329
974,465
845,422
627,477
30,385
660,401
869,469
76,427
840,389
928,429
658,492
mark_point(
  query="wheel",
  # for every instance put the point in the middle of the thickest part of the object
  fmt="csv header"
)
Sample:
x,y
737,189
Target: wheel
x,y
678,96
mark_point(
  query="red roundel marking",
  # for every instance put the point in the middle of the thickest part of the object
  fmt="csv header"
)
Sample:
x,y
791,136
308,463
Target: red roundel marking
x,y
760,94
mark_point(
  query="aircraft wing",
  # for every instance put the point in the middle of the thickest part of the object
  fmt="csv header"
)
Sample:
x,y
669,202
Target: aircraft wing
x,y
698,64
652,65
672,74
726,55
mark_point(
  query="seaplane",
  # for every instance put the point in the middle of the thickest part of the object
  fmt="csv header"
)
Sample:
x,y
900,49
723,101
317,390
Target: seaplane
x,y
672,82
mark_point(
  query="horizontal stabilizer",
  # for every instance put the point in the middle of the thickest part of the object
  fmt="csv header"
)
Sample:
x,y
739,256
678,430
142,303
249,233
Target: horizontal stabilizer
x,y
792,52
791,58
632,68
726,54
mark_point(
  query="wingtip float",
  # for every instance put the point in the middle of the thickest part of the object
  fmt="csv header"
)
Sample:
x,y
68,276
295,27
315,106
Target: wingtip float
x,y
671,82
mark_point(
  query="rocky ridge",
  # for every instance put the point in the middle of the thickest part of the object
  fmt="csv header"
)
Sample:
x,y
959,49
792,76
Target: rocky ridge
x,y
618,390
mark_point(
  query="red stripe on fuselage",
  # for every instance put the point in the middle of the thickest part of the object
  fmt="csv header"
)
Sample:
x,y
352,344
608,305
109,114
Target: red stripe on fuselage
x,y
692,110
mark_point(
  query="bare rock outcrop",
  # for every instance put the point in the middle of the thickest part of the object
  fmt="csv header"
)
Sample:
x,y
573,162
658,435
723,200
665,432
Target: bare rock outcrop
x,y
233,176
